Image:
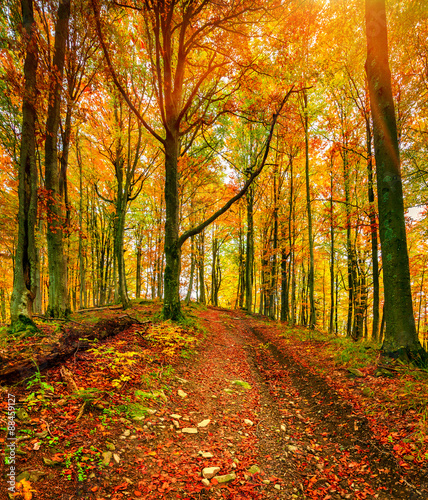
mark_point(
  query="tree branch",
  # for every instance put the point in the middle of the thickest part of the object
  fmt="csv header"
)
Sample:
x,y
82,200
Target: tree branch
x,y
115,77
198,229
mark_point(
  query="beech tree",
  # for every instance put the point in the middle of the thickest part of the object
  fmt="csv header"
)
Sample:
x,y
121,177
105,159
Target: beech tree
x,y
25,282
187,88
401,338
58,300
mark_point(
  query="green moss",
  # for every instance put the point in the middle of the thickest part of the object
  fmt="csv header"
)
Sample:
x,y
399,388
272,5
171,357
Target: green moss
x,y
24,326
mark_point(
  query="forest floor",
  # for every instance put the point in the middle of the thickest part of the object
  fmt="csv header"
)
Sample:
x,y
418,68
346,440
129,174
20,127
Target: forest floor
x,y
260,409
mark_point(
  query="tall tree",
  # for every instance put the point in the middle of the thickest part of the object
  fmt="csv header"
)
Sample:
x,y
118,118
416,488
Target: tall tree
x,y
401,338
188,89
311,270
58,300
25,281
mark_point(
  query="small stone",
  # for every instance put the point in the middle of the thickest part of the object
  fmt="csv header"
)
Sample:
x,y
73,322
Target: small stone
x,y
277,486
204,423
226,478
248,421
176,424
126,433
37,445
175,416
50,463
189,430
42,435
21,414
182,394
182,380
160,394
292,448
283,428
206,482
205,454
409,458
110,446
116,458
107,457
209,472
254,469
266,481
356,372
228,391
367,392
24,475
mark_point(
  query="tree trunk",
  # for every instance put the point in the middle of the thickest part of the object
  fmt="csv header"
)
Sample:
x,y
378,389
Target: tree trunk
x,y
215,271
25,278
272,291
171,304
311,277
119,234
401,338
249,251
292,241
192,269
138,272
373,232
58,301
331,328
83,302
285,309
201,267
421,295
349,245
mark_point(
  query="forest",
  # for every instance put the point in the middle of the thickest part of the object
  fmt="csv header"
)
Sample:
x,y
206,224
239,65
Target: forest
x,y
213,251
226,153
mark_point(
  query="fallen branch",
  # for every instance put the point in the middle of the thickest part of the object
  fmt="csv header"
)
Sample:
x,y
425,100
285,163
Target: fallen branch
x,y
73,338
98,308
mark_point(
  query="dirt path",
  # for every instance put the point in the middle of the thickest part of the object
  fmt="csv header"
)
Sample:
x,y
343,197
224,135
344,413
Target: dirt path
x,y
269,427
334,453
304,439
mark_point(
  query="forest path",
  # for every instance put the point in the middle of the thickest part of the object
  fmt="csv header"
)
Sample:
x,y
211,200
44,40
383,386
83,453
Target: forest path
x,y
241,411
310,436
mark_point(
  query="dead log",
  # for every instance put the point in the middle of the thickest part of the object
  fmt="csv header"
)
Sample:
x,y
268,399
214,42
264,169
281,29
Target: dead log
x,y
75,338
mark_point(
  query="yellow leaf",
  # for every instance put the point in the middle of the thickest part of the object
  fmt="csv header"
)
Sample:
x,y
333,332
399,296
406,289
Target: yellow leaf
x,y
24,489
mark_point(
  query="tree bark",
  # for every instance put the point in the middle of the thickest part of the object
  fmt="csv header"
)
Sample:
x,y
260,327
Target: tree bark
x,y
401,339
331,328
58,300
171,304
192,269
373,232
25,278
311,271
201,268
249,251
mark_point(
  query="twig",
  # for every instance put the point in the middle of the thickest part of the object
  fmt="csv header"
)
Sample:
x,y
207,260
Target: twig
x,y
82,409
47,427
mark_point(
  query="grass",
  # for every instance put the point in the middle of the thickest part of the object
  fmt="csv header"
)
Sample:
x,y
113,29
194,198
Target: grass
x,y
353,354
